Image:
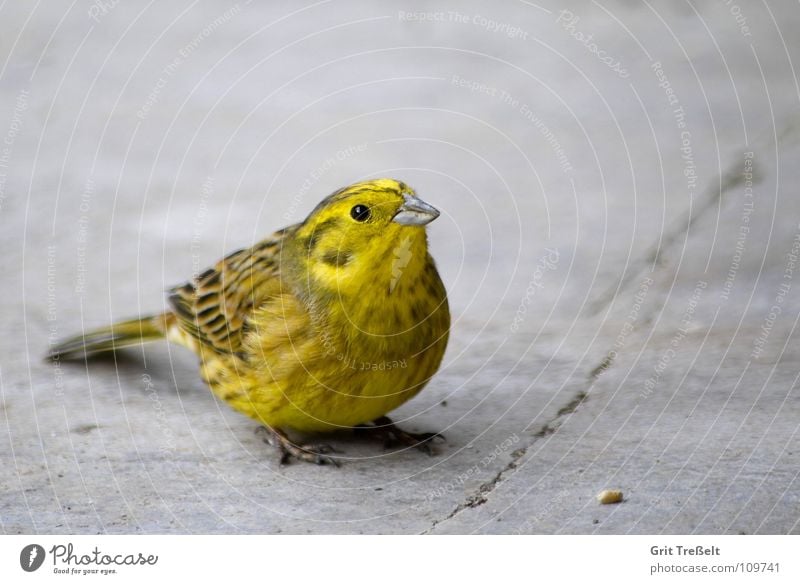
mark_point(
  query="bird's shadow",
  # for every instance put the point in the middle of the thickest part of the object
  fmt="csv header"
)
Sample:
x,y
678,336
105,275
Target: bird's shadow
x,y
150,364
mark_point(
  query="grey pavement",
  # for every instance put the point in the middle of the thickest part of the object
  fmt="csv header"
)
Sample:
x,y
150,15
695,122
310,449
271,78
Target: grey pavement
x,y
620,239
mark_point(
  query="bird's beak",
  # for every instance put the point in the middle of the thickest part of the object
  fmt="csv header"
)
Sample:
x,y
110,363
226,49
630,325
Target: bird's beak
x,y
415,211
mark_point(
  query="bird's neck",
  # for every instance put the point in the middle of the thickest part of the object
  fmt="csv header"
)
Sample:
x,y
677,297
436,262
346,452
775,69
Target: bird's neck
x,y
372,296
377,272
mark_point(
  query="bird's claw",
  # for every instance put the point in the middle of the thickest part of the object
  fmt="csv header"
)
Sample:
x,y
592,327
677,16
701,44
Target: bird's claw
x,y
393,436
314,453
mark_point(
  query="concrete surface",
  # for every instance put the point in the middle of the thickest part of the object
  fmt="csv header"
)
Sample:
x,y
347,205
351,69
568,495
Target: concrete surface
x,y
618,240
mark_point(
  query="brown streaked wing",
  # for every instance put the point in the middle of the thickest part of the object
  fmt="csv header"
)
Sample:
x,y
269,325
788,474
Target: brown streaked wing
x,y
214,307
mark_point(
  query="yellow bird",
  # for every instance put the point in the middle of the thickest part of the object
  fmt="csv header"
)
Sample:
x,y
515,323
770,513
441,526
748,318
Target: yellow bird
x,y
327,324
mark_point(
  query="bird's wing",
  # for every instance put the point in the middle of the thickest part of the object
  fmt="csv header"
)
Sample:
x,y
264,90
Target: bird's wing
x,y
214,308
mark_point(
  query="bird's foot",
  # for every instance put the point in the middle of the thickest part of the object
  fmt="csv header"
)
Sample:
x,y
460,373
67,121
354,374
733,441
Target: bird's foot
x,y
384,429
316,453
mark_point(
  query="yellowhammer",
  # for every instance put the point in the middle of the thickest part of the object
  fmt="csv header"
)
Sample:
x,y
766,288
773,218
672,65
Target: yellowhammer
x,y
330,323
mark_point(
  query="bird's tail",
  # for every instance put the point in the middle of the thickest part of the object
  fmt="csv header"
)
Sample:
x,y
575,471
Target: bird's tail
x,y
121,334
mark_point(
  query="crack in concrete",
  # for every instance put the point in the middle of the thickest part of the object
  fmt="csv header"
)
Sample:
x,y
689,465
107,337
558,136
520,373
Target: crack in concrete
x,y
481,494
729,179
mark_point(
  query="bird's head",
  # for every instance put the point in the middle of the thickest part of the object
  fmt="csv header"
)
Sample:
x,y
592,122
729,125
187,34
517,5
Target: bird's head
x,y
362,233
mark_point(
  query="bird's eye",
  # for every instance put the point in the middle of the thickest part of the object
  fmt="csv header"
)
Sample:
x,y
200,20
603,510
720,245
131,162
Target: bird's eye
x,y
360,213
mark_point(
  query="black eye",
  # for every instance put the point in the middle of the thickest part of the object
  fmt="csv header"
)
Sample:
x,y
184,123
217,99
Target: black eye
x,y
360,213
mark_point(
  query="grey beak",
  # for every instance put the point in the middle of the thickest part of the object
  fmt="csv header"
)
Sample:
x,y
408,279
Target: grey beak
x,y
415,211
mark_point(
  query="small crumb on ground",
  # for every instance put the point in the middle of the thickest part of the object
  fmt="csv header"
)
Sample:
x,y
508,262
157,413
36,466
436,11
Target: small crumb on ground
x,y
608,497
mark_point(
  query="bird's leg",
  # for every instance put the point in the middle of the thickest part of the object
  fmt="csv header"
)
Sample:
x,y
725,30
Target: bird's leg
x,y
316,453
384,429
